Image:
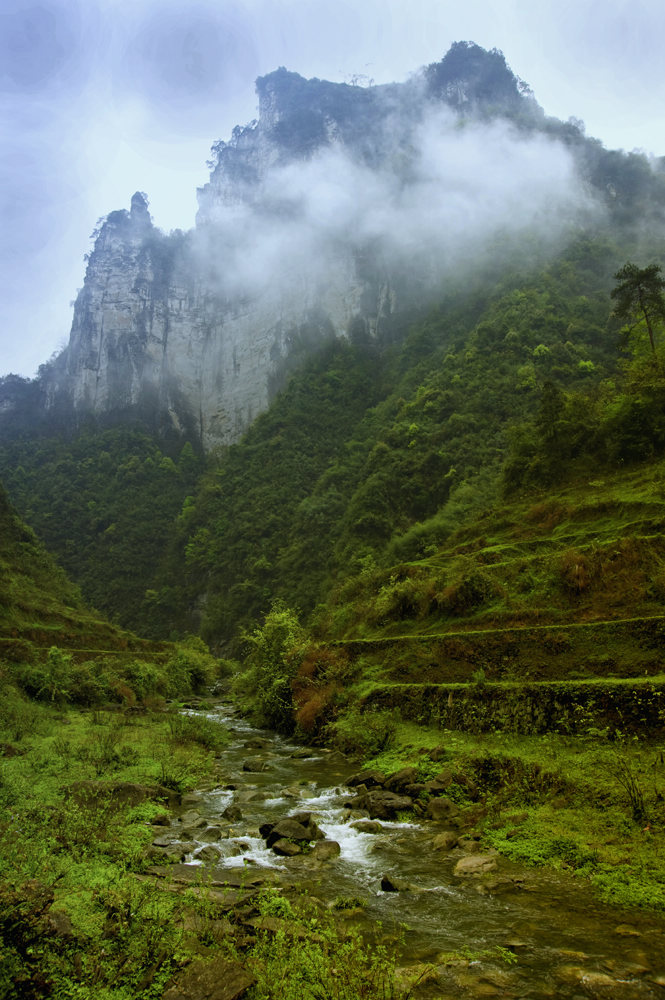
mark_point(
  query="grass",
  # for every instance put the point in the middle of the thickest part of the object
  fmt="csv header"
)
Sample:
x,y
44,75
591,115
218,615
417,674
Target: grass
x,y
62,853
584,805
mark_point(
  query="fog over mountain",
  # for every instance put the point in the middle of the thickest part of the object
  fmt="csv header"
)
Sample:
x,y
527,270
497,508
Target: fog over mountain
x,y
101,99
434,200
341,208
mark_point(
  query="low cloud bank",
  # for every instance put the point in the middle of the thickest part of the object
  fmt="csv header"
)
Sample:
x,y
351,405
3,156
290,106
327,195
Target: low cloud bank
x,y
442,195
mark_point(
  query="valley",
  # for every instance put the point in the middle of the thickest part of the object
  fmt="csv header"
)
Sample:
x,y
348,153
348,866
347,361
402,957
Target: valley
x,y
332,573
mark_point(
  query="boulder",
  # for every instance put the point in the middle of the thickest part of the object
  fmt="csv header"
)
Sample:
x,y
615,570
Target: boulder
x,y
397,781
172,850
288,829
391,884
233,813
286,848
324,850
442,809
380,804
213,979
475,864
209,855
254,765
163,840
212,833
305,819
367,826
193,819
445,841
415,789
469,845
370,777
439,784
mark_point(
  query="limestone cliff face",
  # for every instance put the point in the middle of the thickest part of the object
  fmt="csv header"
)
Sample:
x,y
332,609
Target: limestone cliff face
x,y
150,337
158,328
154,334
194,331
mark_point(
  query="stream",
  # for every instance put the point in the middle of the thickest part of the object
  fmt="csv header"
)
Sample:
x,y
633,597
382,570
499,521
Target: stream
x,y
533,933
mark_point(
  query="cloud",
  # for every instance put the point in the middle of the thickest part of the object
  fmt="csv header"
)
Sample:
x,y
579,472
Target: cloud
x,y
440,195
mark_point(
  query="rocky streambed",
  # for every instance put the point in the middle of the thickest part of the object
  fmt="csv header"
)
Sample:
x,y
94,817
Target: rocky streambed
x,y
474,923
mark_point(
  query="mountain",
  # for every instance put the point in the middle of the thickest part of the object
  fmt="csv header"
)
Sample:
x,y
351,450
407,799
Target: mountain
x,y
338,213
383,286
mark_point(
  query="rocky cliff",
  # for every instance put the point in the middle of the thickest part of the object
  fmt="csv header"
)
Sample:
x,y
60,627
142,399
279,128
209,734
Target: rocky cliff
x,y
304,232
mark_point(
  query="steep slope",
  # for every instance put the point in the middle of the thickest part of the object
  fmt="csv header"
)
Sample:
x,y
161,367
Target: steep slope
x,y
40,608
103,502
416,433
335,214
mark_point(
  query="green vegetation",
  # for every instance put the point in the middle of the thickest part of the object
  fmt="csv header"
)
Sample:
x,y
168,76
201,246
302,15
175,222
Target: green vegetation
x,y
587,805
321,960
103,503
83,913
449,539
78,792
264,689
442,548
639,293
370,457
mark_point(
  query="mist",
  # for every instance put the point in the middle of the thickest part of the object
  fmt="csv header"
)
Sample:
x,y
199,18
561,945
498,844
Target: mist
x,y
441,196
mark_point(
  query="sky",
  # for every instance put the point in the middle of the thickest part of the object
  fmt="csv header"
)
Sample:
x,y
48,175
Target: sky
x,y
101,98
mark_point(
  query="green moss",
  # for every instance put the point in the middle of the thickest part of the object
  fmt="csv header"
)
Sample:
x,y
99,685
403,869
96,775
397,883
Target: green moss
x,y
60,853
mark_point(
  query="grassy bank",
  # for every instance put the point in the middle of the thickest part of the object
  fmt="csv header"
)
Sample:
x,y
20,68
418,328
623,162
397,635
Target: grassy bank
x,y
86,913
588,805
79,791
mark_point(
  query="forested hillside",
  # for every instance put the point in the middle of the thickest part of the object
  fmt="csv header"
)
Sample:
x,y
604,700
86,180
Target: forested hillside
x,y
103,502
513,374
373,454
434,439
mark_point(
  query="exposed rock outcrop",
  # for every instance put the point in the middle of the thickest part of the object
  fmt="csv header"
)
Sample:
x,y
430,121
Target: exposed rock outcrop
x,y
194,332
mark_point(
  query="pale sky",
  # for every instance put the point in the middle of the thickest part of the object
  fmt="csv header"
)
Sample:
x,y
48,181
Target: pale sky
x,y
101,98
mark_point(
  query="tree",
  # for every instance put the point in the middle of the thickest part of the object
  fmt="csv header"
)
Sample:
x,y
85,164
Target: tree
x,y
272,663
639,296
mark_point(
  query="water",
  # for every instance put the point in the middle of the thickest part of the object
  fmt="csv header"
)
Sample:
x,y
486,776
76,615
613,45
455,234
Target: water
x,y
537,934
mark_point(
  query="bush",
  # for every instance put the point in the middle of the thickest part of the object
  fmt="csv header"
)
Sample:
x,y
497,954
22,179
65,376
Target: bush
x,y
198,729
145,678
264,688
191,668
469,592
364,733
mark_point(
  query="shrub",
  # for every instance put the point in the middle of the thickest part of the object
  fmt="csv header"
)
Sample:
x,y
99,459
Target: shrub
x,y
275,655
470,591
312,705
145,678
364,733
198,729
191,668
50,681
